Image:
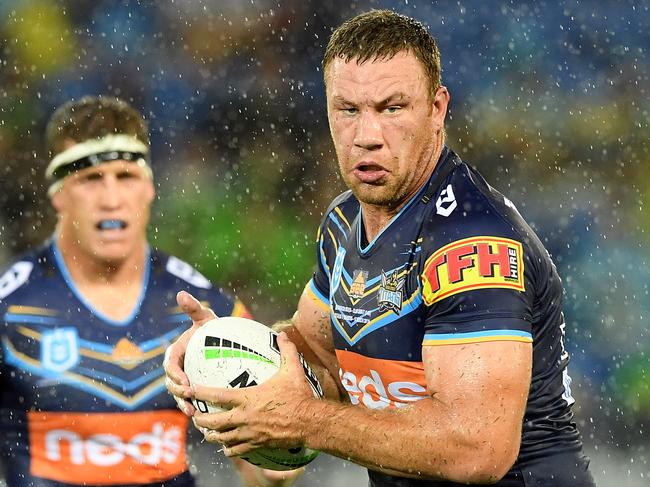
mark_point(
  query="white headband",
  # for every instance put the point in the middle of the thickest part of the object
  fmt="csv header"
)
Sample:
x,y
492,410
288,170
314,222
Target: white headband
x,y
110,147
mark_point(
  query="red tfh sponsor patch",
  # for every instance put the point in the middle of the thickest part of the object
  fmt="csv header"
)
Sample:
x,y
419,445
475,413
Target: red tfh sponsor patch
x,y
473,263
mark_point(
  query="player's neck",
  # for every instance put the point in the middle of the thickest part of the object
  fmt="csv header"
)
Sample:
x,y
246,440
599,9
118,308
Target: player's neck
x,y
378,217
112,288
89,269
375,219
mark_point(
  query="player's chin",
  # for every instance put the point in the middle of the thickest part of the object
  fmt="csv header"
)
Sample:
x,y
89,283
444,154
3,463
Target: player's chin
x,y
111,254
374,194
114,247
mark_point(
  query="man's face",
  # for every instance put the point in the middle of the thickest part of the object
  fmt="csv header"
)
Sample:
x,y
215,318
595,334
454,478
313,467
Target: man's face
x,y
386,126
103,211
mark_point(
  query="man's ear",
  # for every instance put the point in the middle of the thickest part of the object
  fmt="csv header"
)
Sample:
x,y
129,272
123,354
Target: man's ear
x,y
57,201
440,104
151,192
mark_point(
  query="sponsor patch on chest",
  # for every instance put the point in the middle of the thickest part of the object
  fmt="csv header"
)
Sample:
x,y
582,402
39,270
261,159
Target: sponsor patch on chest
x,y
379,384
107,448
473,263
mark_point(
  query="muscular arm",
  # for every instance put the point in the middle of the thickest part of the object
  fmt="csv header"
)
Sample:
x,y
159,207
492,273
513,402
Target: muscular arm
x,y
469,427
468,430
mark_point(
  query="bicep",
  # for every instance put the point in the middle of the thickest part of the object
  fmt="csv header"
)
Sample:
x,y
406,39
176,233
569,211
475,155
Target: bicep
x,y
485,384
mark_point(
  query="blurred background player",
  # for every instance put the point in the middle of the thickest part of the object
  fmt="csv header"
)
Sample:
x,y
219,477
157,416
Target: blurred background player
x,y
87,317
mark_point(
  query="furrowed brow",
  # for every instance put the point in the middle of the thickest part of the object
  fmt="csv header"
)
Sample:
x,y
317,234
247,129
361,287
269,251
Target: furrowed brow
x,y
341,100
393,98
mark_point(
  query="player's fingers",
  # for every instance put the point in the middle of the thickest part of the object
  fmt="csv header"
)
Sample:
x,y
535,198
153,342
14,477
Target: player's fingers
x,y
226,438
219,422
208,435
225,398
237,450
203,430
196,311
288,352
178,390
185,406
173,363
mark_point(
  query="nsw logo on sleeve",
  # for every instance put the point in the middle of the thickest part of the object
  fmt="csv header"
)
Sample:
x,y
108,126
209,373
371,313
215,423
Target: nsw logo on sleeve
x,y
337,270
473,263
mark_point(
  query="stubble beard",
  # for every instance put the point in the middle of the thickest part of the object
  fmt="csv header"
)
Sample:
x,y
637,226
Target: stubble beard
x,y
387,195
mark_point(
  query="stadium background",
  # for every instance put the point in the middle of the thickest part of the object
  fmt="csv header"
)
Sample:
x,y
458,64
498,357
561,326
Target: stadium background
x,y
550,100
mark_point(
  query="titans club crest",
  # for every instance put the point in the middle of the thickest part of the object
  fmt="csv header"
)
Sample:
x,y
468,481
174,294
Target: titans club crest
x,y
389,296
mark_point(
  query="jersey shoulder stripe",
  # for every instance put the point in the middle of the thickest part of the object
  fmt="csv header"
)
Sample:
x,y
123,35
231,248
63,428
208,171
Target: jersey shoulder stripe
x,y
340,214
316,295
477,337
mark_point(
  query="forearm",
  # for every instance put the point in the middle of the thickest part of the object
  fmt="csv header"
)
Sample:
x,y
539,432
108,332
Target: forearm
x,y
424,440
316,359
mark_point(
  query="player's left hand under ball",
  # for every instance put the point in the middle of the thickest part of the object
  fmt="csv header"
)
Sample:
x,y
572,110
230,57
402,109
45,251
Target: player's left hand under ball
x,y
176,381
267,415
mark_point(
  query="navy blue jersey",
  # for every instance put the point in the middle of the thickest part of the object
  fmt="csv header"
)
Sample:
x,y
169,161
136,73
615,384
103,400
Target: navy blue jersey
x,y
83,396
458,264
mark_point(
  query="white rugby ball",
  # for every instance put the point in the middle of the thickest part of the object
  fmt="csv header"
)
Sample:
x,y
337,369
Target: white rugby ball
x,y
238,352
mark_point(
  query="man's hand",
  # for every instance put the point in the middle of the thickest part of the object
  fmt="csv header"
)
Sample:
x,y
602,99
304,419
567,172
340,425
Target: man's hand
x,y
177,383
267,415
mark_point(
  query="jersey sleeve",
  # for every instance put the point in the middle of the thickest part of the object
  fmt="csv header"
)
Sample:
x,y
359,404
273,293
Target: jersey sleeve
x,y
478,289
220,300
11,280
224,303
333,231
320,282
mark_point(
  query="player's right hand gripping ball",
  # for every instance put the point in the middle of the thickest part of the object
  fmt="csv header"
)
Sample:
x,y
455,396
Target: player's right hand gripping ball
x,y
238,352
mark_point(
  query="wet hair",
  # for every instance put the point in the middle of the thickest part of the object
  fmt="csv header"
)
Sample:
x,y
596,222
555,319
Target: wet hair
x,y
380,35
93,117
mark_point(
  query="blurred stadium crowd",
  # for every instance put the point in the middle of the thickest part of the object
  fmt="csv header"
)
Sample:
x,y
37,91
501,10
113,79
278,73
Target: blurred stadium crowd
x,y
550,100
